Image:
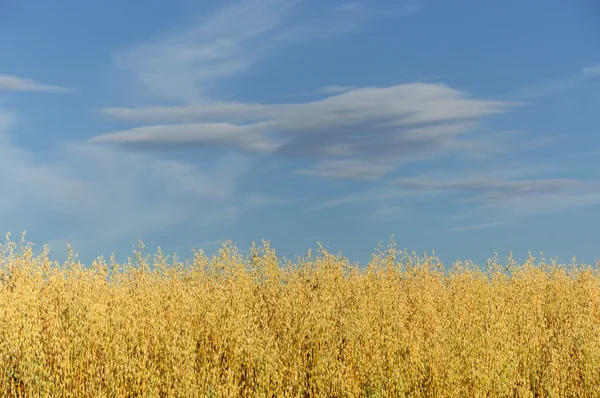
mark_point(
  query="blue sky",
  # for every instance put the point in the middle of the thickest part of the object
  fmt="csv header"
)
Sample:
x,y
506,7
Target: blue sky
x,y
466,127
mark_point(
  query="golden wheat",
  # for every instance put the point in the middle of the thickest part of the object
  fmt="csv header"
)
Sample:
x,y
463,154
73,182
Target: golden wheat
x,y
257,326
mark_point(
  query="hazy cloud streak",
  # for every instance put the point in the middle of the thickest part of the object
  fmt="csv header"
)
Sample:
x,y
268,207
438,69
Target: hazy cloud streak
x,y
14,83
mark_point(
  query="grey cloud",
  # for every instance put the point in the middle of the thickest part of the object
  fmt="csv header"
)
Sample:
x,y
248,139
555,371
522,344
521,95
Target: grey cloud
x,y
495,189
503,201
14,83
500,195
363,133
438,182
405,104
370,130
247,139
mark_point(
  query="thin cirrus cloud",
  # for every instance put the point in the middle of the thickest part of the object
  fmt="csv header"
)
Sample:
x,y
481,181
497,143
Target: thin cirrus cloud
x,y
359,134
584,77
394,192
67,190
493,189
185,65
14,83
500,201
498,195
245,139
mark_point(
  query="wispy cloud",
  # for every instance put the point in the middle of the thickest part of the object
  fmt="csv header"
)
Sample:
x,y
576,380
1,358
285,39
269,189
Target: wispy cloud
x,y
499,195
591,70
492,190
500,201
335,89
138,193
185,65
247,139
516,208
585,77
327,90
360,134
14,83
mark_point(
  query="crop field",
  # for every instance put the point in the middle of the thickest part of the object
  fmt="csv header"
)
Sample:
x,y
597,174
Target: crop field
x,y
258,326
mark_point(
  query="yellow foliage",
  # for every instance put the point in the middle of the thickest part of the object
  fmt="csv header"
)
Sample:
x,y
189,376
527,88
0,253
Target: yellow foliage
x,y
234,326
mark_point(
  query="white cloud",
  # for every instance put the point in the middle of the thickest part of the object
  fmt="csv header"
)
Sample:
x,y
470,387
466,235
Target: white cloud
x,y
359,134
14,83
180,65
144,192
99,195
342,132
184,65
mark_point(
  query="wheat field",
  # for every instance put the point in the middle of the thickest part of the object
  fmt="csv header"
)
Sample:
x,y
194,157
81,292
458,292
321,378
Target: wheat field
x,y
258,326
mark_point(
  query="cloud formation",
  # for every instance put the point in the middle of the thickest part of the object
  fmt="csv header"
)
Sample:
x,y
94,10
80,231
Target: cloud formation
x,y
357,133
95,196
501,201
14,83
186,64
494,190
499,195
584,77
245,139
362,133
182,66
